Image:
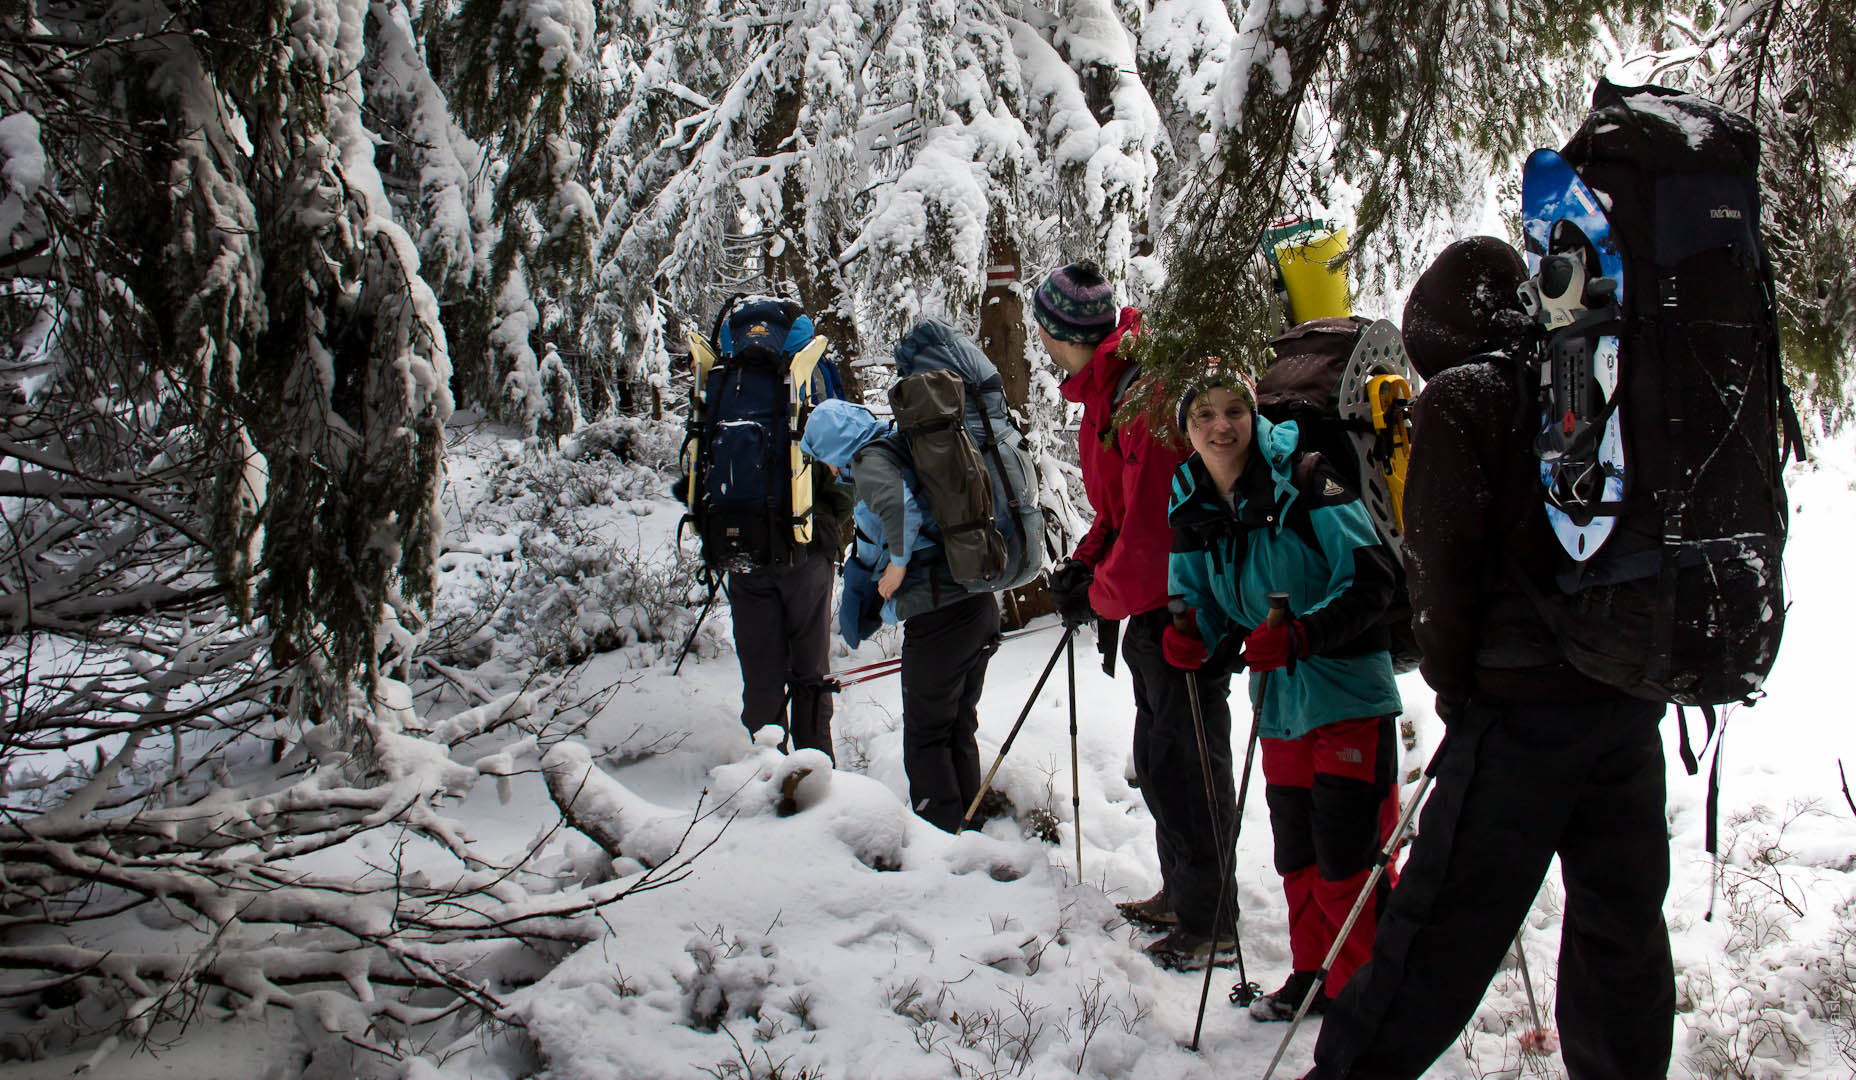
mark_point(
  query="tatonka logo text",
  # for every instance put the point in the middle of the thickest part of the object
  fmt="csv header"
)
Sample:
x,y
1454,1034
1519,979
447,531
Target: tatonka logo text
x,y
1725,212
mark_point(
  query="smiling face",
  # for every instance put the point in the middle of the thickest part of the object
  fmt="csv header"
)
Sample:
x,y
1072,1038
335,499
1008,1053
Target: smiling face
x,y
1220,425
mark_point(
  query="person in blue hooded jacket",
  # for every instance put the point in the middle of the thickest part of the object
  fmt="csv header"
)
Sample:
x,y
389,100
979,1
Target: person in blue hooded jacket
x,y
835,432
896,574
1253,515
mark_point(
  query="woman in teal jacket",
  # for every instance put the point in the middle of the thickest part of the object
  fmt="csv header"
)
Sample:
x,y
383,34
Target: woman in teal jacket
x,y
1252,515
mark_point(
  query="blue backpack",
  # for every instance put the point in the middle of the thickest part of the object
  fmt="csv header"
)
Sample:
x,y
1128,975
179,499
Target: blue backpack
x,y
748,489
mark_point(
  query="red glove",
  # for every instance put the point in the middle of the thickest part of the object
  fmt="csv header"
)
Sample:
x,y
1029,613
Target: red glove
x,y
1270,647
1182,650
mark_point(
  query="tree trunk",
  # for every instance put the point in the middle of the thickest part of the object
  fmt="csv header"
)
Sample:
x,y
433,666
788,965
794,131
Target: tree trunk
x,y
1002,337
790,262
1002,321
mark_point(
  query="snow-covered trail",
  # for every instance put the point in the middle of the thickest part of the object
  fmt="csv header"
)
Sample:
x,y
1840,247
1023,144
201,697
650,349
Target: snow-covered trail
x,y
983,954
851,940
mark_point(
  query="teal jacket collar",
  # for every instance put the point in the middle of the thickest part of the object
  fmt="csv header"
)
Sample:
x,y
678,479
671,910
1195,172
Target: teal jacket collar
x,y
1266,490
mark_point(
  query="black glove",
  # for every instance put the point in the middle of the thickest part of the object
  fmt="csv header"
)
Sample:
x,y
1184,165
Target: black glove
x,y
1069,591
1448,710
1229,655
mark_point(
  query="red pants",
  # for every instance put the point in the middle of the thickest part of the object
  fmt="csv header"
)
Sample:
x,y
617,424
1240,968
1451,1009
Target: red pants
x,y
1333,797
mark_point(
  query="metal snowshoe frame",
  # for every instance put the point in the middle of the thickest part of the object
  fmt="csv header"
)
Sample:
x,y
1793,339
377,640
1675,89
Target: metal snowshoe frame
x,y
1374,399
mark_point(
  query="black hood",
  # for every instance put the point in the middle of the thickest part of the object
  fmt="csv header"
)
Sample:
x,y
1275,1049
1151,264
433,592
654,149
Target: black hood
x,y
1465,304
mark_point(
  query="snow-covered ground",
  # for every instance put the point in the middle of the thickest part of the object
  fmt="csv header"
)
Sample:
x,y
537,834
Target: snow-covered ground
x,y
849,939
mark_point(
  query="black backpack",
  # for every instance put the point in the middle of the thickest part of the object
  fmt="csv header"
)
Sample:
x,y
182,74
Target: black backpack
x,y
1303,384
747,489
1684,602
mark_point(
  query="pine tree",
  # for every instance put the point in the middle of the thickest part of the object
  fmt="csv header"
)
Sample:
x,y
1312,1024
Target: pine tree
x,y
1786,66
235,378
515,68
1415,104
436,177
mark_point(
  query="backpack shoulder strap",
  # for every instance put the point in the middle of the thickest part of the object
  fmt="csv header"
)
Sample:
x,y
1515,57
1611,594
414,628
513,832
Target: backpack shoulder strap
x,y
721,316
1123,385
1302,472
1111,433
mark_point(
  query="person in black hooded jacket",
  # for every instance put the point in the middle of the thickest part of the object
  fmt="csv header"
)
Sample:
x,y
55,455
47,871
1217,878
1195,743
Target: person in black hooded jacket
x,y
1537,759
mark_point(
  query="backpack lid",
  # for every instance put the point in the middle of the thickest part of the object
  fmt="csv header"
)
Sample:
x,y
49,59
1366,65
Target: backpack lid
x,y
1319,335
1309,359
764,326
1666,130
935,344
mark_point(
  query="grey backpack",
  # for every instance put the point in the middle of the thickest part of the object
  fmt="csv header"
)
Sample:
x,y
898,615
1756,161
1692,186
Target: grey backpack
x,y
972,465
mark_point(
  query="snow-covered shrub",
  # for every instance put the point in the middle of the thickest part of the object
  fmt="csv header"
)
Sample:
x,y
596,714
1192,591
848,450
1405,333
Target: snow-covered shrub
x,y
730,979
1774,999
545,555
654,444
1835,989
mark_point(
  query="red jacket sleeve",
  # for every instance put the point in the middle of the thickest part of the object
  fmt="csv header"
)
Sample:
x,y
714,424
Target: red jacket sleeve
x,y
1130,577
1094,545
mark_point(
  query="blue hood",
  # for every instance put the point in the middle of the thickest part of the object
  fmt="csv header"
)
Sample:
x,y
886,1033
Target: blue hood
x,y
1277,442
837,429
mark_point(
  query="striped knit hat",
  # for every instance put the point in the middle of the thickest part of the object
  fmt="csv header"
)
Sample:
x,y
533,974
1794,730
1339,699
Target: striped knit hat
x,y
1075,304
1238,382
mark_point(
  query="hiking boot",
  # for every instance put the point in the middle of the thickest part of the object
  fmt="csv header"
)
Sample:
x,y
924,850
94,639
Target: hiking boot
x,y
1281,1005
1182,950
1154,912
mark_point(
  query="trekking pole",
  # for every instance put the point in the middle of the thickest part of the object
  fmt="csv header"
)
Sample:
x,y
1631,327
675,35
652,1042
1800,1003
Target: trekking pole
x,y
836,685
1245,991
889,665
1005,748
1279,613
1076,798
887,661
691,640
838,680
1538,1040
1379,868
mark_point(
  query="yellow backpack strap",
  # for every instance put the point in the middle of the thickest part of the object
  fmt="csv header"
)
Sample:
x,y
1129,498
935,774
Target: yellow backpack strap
x,y
702,358
804,365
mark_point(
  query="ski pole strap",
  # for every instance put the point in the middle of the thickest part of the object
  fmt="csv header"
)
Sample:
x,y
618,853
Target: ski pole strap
x,y
1713,841
1690,760
1108,633
1794,431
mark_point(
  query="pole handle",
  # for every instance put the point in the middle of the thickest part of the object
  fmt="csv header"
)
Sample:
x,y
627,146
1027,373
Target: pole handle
x,y
1279,609
1182,615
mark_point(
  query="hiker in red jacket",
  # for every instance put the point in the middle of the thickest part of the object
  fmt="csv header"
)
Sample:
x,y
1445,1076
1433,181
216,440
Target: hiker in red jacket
x,y
1118,571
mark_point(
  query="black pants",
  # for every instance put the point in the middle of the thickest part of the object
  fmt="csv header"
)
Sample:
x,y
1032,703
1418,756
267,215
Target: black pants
x,y
1514,787
1166,765
782,618
944,657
